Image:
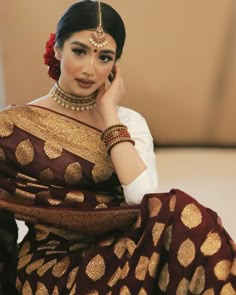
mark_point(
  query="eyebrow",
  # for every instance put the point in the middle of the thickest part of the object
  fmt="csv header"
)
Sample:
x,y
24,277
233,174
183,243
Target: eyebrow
x,y
87,47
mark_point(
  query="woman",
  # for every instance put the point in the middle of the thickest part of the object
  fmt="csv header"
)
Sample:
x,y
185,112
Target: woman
x,y
80,170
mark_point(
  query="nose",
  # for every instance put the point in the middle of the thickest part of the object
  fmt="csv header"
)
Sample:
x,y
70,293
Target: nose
x,y
89,66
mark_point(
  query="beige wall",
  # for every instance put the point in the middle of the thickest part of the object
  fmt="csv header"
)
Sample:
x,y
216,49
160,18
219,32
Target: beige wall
x,y
179,63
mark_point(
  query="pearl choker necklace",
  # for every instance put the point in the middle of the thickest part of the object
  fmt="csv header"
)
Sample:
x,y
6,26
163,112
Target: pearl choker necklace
x,y
66,100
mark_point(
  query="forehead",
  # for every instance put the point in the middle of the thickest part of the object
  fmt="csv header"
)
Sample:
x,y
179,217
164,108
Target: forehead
x,y
83,36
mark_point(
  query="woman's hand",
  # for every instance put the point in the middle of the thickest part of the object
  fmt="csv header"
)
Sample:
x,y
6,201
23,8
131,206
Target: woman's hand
x,y
109,96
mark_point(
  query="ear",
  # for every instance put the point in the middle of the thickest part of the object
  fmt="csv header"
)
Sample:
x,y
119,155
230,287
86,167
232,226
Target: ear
x,y
57,52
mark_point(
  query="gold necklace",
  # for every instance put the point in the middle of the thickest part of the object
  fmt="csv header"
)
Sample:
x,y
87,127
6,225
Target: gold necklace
x,y
66,100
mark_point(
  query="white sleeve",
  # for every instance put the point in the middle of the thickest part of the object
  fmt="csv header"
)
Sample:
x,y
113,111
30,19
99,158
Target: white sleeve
x,y
147,181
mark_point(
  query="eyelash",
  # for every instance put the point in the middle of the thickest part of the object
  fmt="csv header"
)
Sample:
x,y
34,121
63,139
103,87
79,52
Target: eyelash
x,y
103,58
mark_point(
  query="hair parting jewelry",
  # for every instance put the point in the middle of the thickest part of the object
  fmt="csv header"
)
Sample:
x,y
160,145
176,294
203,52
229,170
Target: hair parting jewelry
x,y
98,38
66,100
115,134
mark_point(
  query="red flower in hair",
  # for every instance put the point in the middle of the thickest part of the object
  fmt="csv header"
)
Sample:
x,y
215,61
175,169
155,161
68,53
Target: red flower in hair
x,y
50,60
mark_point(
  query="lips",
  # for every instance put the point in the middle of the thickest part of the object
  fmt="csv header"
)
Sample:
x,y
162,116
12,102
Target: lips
x,y
85,83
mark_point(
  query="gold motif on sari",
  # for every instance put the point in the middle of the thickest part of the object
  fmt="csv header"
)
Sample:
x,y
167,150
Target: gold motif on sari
x,y
125,291
95,269
164,278
211,245
55,291
233,267
222,269
18,284
71,277
25,177
24,196
101,173
125,271
191,216
75,197
94,292
227,290
24,260
154,205
34,266
44,268
182,288
52,149
61,267
26,290
2,154
168,237
41,289
130,246
6,126
120,248
115,277
47,175
73,290
172,204
25,248
198,280
141,268
186,253
209,292
73,173
142,292
152,268
25,152
157,231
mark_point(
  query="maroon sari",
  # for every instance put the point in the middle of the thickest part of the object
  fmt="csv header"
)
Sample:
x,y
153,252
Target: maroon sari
x,y
83,238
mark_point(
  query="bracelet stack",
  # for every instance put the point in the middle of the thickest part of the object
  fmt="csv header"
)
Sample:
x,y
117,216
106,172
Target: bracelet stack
x,y
115,134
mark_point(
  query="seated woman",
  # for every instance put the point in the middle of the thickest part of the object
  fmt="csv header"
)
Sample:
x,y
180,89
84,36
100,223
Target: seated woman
x,y
80,170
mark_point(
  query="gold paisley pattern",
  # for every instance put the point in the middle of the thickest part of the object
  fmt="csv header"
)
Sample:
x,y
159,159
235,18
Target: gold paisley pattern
x,y
197,283
6,126
52,149
141,268
222,269
164,278
211,245
156,232
154,205
191,216
2,154
101,173
95,270
186,253
73,173
75,197
182,288
61,267
25,152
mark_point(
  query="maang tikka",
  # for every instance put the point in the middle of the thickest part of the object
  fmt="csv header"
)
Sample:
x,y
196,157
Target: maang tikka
x,y
98,38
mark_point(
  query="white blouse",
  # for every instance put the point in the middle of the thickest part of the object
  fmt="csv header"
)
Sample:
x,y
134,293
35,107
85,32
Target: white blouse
x,y
147,181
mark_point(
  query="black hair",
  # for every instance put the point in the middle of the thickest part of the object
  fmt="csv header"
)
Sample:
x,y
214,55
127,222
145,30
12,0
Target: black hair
x,y
83,15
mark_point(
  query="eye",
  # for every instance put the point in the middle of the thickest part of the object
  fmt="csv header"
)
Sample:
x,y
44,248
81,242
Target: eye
x,y
79,51
105,58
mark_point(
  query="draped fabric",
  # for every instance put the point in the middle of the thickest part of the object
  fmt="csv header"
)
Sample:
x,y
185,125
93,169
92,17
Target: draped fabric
x,y
83,238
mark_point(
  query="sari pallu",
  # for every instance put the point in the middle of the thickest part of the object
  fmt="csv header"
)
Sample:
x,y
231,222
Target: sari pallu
x,y
83,238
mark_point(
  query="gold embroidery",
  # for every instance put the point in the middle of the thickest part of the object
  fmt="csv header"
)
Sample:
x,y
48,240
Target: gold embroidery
x,y
182,287
227,290
120,248
115,277
209,292
125,291
25,152
73,290
41,234
47,175
152,268
72,277
198,280
154,205
47,247
34,266
130,246
25,248
54,202
95,269
156,232
168,237
125,271
222,269
164,278
94,292
233,267
172,204
73,173
54,252
44,268
142,292
191,216
141,268
55,291
24,196
25,177
26,290
6,126
186,253
101,173
61,267
41,289
24,260
75,197
52,150
36,185
2,154
211,245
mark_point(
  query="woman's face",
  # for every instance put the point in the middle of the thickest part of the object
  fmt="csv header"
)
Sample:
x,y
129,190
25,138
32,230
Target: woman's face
x,y
84,68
